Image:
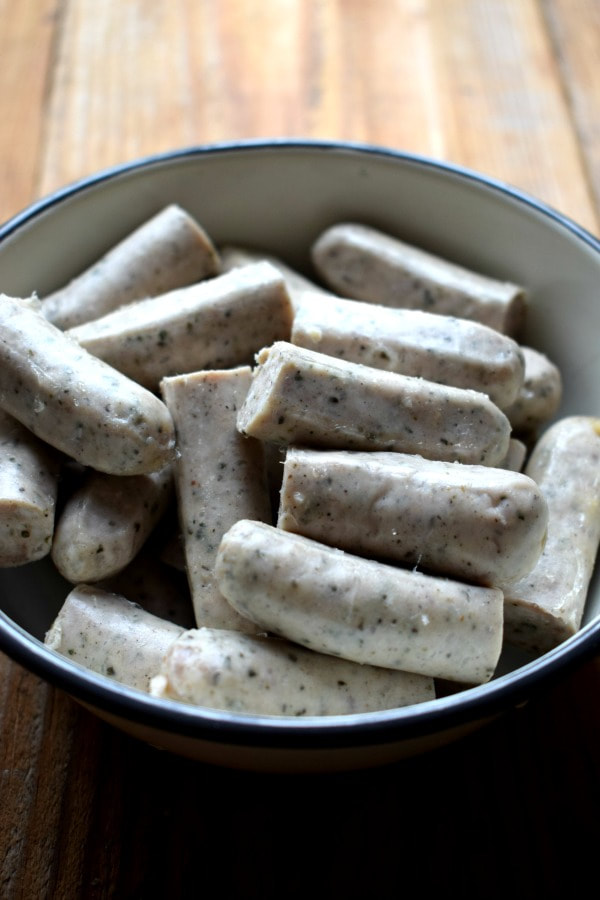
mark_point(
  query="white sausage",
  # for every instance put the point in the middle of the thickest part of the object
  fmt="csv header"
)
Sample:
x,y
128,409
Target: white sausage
x,y
439,348
540,394
155,586
219,477
297,285
546,607
216,324
515,457
302,397
28,489
271,677
112,636
343,605
473,523
166,252
106,521
360,262
78,403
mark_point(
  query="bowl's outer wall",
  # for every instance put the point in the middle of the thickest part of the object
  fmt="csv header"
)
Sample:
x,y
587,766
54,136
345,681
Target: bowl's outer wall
x,y
279,198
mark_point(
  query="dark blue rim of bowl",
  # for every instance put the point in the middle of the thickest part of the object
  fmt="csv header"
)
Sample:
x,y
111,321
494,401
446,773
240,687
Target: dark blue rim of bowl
x,y
385,727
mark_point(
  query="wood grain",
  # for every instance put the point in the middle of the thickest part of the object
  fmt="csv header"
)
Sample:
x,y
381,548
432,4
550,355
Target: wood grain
x,y
444,79
511,120
480,814
574,26
27,32
508,87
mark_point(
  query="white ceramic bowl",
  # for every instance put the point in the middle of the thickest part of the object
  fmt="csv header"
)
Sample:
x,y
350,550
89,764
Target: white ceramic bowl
x,y
279,195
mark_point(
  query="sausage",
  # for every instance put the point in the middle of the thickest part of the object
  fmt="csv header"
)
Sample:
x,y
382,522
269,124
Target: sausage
x,y
473,523
268,676
106,521
219,477
546,607
111,636
439,348
78,403
366,264
28,489
217,324
514,459
303,397
540,395
274,460
166,252
359,609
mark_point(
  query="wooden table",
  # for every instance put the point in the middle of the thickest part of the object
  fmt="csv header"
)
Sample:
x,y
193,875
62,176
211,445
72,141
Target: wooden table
x,y
509,87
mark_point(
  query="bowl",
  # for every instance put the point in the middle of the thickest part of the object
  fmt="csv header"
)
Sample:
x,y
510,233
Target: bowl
x,y
279,195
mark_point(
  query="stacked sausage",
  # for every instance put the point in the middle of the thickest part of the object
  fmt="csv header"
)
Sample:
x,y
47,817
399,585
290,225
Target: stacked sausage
x,y
404,546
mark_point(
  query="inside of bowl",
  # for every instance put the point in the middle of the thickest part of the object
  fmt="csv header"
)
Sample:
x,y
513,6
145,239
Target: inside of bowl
x,y
280,198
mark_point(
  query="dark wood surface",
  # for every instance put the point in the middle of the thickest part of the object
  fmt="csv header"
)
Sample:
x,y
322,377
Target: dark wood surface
x,y
509,88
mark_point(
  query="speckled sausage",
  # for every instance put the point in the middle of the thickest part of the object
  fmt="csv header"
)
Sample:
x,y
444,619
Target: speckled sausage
x,y
217,324
540,394
360,262
112,636
514,459
302,397
439,348
546,607
271,677
28,488
343,605
106,522
219,477
76,402
473,523
166,252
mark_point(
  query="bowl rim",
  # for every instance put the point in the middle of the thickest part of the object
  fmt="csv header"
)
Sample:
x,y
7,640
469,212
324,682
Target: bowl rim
x,y
351,730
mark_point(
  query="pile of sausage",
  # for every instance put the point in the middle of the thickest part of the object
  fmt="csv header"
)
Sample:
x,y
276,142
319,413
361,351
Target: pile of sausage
x,y
345,457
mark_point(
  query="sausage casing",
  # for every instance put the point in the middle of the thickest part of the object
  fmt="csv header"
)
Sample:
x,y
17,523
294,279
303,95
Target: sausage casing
x,y
268,676
110,635
302,397
106,521
78,403
358,609
360,262
474,523
28,489
216,324
166,252
539,396
547,605
219,477
444,349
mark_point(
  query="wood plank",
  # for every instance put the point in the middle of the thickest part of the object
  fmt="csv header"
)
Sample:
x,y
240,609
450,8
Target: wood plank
x,y
119,90
322,68
22,706
575,28
445,79
135,822
472,81
237,69
27,31
503,106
